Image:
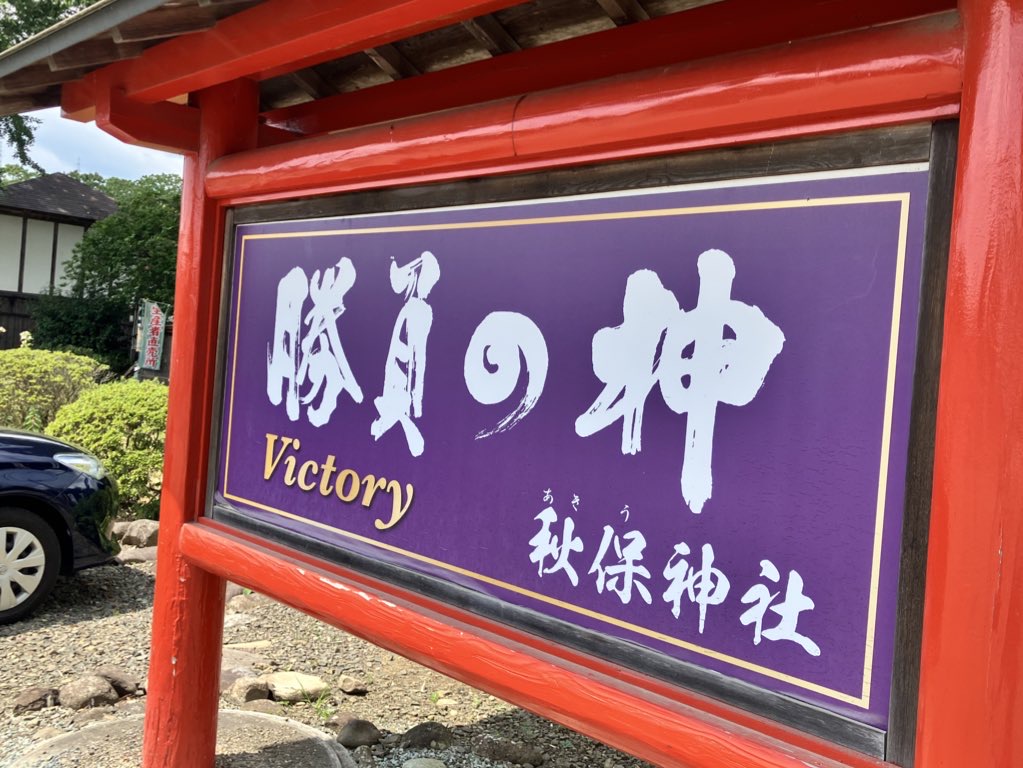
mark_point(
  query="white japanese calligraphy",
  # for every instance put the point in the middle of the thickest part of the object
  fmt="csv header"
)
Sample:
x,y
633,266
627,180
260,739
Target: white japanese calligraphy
x,y
546,544
493,364
625,574
402,397
718,352
704,586
795,603
310,365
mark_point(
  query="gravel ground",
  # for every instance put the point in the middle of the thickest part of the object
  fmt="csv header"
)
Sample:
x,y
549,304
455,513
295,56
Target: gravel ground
x,y
102,617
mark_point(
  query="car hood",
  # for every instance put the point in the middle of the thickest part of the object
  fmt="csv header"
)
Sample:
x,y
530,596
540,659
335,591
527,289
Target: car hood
x,y
43,444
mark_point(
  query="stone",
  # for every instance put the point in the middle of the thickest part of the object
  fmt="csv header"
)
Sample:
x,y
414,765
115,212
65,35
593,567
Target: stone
x,y
236,664
233,590
339,720
446,704
358,733
93,715
243,602
423,762
141,533
131,706
232,620
118,529
295,686
265,706
363,757
508,751
248,689
32,699
124,682
353,687
252,645
430,734
47,733
137,555
236,658
87,691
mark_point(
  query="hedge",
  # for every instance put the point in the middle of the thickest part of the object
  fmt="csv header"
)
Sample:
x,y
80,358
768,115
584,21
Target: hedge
x,y
124,424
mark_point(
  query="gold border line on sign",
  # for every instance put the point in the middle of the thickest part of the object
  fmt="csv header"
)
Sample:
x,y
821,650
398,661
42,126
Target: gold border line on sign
x,y
903,198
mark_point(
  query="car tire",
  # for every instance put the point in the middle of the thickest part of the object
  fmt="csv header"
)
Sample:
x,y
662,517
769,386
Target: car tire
x,y
29,562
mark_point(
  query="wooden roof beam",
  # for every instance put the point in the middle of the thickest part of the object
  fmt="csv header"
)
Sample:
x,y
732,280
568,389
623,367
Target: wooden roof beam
x,y
491,34
830,84
392,62
699,33
34,77
280,36
92,53
312,84
31,101
163,23
624,11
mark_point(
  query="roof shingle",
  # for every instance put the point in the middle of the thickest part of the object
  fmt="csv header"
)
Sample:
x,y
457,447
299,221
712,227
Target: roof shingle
x,y
58,195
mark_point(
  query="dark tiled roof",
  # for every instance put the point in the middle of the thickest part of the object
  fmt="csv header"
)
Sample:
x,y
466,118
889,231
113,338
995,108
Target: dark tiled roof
x,y
58,195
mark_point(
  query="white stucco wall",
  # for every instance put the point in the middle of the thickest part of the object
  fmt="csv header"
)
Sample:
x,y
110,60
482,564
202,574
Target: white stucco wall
x,y
38,256
10,251
38,252
67,237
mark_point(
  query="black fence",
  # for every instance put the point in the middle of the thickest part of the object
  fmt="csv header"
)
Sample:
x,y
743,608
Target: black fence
x,y
15,317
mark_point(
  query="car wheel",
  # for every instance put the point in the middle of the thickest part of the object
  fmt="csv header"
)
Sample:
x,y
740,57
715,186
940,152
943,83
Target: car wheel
x,y
29,562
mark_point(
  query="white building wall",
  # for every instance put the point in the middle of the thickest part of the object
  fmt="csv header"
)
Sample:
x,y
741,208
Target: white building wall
x,y
68,236
38,256
10,251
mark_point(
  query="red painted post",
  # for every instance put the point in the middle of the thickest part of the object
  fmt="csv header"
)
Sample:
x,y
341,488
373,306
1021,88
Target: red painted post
x,y
971,698
184,671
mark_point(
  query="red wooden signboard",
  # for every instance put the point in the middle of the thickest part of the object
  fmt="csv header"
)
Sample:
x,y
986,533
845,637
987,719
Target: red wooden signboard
x,y
951,76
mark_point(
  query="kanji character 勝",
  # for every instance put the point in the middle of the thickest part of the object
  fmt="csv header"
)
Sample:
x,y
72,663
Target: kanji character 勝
x,y
310,366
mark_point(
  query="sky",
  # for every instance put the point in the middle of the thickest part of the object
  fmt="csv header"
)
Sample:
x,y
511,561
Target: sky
x,y
67,145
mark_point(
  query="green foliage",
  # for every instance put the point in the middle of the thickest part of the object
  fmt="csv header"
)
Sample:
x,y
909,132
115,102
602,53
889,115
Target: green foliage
x,y
12,173
19,20
126,257
35,383
99,326
123,423
131,255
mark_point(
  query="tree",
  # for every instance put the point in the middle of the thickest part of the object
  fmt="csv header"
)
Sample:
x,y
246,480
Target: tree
x,y
131,255
122,259
19,20
12,173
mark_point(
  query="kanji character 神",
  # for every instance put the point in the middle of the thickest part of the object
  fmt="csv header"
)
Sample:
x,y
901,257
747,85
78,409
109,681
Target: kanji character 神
x,y
717,352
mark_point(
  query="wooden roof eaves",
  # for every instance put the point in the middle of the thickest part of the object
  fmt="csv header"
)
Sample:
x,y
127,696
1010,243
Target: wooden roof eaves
x,y
95,20
276,35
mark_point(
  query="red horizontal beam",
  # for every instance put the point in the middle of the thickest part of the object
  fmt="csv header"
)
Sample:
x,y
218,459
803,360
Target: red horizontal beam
x,y
698,33
166,126
563,685
278,33
898,73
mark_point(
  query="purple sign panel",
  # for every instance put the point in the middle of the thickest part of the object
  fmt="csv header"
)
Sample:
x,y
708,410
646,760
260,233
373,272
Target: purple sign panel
x,y
675,417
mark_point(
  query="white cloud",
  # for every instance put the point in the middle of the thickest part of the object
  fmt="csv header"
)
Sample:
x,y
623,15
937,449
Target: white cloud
x,y
67,145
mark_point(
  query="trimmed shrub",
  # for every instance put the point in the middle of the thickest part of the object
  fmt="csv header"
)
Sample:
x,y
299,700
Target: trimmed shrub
x,y
35,383
98,326
124,424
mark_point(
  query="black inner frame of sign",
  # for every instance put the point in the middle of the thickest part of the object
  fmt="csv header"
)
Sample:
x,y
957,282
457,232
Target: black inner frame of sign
x,y
905,144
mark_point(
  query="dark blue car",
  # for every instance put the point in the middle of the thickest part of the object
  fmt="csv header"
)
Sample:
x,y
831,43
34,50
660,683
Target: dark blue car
x,y
56,504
